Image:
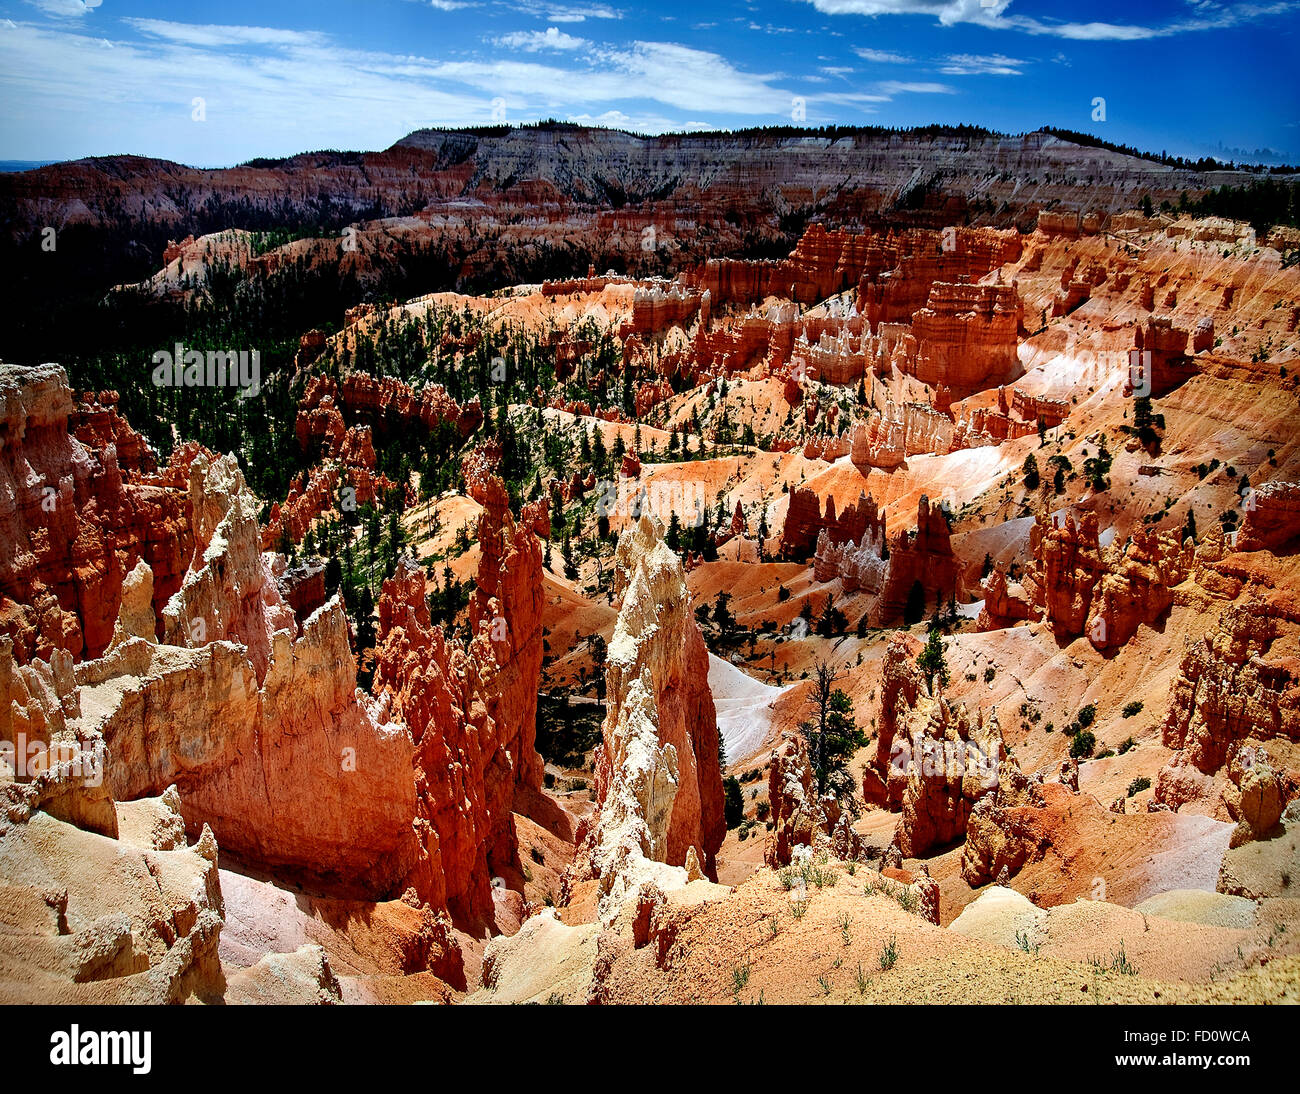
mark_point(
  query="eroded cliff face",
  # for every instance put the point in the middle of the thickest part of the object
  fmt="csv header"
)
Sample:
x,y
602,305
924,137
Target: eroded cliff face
x,y
260,727
934,760
91,919
1237,682
254,719
658,788
1272,520
506,605
471,710
801,817
462,759
1105,593
76,516
916,564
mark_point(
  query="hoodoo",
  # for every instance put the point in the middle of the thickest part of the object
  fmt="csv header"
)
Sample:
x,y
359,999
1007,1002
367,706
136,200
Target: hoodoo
x,y
658,792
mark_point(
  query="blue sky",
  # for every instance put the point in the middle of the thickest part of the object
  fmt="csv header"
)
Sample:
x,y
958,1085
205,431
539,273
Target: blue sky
x,y
97,77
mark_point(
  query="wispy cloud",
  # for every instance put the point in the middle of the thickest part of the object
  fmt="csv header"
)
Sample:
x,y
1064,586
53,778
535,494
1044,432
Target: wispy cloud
x,y
994,15
211,36
972,64
68,9
266,90
696,80
636,123
882,56
904,87
568,13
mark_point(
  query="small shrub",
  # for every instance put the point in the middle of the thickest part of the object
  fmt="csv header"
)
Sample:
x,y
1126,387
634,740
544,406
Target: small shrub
x,y
1082,745
1131,709
1138,785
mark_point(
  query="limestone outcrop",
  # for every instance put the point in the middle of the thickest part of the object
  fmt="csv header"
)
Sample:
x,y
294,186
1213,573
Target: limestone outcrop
x,y
1105,593
966,336
800,816
1233,686
258,725
921,557
1257,794
465,771
1272,518
934,762
75,519
1005,602
507,604
381,402
88,919
229,592
658,788
1010,827
892,571
805,521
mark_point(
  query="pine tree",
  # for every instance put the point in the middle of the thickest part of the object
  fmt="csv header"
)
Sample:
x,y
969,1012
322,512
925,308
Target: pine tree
x,y
733,801
673,537
931,660
832,735
1031,472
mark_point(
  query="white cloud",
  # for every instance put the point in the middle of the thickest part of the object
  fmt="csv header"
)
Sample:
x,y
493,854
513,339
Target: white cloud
x,y
995,16
696,80
568,13
948,12
899,87
638,123
534,40
882,56
448,5
972,64
211,36
271,91
72,9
